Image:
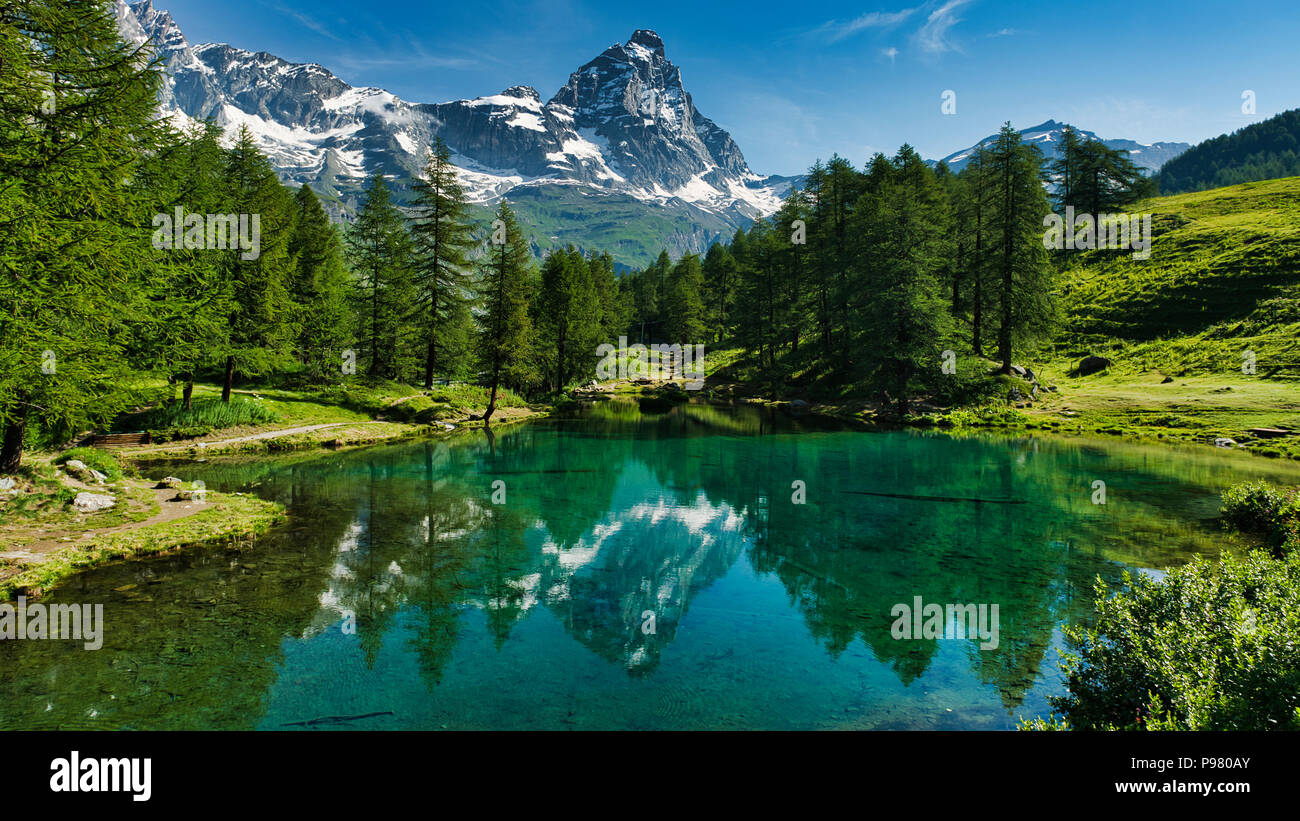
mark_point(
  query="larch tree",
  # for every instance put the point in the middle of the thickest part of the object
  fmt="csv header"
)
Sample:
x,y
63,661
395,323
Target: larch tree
x,y
77,117
442,239
505,341
322,289
379,248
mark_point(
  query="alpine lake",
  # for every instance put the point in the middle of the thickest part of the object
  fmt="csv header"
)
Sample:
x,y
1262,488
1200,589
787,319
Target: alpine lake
x,y
629,566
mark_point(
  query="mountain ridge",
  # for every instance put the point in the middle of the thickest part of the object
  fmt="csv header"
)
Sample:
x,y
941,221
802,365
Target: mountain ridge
x,y
621,136
1046,136
622,126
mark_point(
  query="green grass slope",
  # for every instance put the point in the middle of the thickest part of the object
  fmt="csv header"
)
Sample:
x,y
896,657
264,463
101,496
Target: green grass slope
x,y
634,232
1223,278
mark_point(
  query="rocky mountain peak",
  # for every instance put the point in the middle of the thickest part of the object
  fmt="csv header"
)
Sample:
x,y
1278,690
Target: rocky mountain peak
x,y
523,93
623,128
647,39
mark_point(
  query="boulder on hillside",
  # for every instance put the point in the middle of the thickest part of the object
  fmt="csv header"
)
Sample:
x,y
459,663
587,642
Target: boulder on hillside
x,y
1091,365
169,483
92,502
82,472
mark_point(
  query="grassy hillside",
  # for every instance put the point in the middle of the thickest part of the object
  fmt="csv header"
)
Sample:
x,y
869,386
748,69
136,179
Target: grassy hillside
x,y
1223,277
553,216
633,232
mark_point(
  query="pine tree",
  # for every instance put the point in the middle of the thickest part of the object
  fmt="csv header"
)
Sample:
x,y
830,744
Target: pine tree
x,y
758,293
793,261
820,260
76,118
505,341
567,318
684,303
1065,170
612,300
322,289
649,301
973,213
1095,178
379,249
1020,261
190,297
903,222
262,313
719,287
843,187
442,240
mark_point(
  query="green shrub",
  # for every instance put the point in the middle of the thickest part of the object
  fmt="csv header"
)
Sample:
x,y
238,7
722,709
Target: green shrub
x,y
1212,646
464,396
985,416
175,421
100,460
409,410
1265,510
180,432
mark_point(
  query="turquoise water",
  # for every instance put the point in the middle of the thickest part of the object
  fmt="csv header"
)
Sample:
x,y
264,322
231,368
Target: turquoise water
x,y
643,571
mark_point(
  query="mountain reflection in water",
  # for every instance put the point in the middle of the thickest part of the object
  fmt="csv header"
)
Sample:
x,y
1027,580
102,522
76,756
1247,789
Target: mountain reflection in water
x,y
644,571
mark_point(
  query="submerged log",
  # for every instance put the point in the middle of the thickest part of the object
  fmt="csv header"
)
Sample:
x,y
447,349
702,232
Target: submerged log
x,y
938,498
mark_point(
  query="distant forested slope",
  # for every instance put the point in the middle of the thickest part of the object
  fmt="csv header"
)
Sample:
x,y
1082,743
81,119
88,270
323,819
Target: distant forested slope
x,y
1263,151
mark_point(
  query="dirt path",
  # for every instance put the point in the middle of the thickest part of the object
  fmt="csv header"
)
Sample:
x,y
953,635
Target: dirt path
x,y
169,509
271,434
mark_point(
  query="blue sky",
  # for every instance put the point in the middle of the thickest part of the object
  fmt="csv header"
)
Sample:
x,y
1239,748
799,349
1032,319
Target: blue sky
x,y
796,81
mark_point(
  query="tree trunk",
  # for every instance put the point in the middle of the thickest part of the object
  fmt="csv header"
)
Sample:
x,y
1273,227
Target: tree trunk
x,y
374,327
229,381
11,452
1004,330
187,393
428,367
492,401
977,293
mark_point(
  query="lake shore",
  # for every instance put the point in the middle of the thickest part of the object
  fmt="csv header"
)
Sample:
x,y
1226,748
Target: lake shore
x,y
1257,416
46,541
1190,411
42,553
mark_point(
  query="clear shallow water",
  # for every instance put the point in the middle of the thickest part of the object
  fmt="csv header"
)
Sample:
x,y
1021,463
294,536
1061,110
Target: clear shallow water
x,y
530,614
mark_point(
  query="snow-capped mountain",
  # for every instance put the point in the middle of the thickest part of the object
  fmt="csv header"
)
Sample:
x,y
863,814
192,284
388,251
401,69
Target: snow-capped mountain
x,y
1047,136
622,127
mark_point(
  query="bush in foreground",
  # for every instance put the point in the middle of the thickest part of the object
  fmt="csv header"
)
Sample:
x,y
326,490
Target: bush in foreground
x,y
1212,646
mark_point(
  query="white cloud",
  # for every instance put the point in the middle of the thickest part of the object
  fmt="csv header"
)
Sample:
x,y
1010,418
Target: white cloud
x,y
836,30
932,38
309,22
